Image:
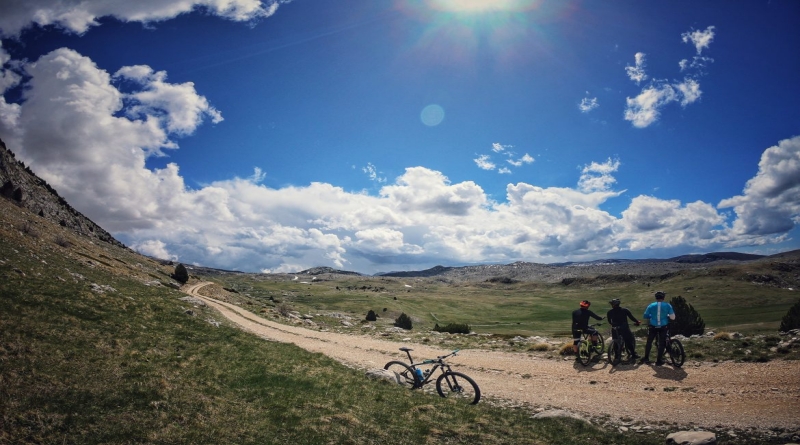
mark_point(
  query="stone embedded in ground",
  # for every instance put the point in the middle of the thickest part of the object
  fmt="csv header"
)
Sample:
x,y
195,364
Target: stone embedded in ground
x,y
692,438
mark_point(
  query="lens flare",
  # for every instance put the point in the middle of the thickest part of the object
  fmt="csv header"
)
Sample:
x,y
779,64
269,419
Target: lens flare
x,y
475,6
432,115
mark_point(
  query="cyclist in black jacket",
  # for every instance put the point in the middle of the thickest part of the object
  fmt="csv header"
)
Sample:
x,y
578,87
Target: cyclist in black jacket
x,y
618,316
580,322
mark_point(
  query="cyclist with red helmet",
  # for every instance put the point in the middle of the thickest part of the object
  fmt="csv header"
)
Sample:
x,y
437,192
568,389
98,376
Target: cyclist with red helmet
x,y
580,323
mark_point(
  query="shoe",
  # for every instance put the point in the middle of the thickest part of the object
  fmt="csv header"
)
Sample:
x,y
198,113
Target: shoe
x,y
644,361
635,357
659,363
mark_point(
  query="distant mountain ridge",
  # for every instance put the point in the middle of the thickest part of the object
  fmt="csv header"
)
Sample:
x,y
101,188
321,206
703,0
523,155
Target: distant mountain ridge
x,y
20,185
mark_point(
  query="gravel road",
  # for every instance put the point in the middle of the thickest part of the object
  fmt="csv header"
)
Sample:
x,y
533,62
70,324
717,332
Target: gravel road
x,y
708,395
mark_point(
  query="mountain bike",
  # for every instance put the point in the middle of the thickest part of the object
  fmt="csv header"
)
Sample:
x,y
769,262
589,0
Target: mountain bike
x,y
450,384
674,349
586,348
617,347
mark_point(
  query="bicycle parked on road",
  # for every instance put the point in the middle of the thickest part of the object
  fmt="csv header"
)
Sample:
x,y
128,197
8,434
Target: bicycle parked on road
x,y
586,348
450,384
674,350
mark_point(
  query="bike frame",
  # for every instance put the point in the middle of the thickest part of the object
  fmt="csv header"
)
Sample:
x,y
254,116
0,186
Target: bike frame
x,y
438,363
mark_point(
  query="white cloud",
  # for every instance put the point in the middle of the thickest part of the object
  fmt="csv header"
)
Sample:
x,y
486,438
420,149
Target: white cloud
x,y
770,203
636,73
181,108
700,39
650,222
588,104
484,162
372,172
645,109
597,177
154,248
78,17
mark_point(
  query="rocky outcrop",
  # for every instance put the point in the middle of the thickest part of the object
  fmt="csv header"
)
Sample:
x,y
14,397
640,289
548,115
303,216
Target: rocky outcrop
x,y
20,185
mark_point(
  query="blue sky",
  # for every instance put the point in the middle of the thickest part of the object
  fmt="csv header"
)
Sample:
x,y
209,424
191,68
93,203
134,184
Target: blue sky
x,y
398,135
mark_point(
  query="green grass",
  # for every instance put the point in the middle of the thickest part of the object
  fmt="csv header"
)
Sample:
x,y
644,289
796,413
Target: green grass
x,y
528,309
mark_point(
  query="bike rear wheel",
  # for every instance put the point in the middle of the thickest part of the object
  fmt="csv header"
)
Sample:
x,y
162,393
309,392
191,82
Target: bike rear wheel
x,y
676,353
457,386
601,344
406,374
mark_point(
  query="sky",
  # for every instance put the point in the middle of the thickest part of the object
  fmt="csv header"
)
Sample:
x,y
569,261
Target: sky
x,y
393,135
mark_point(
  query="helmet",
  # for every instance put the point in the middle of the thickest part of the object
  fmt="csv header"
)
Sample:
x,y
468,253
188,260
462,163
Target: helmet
x,y
585,304
660,295
614,302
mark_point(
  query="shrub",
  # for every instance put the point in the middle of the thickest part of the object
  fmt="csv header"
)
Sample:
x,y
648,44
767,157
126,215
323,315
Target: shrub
x,y
371,316
792,318
453,328
181,275
725,336
687,321
540,347
566,349
403,321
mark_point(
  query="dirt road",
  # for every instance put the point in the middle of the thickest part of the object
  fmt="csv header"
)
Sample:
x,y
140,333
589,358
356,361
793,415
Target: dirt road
x,y
709,395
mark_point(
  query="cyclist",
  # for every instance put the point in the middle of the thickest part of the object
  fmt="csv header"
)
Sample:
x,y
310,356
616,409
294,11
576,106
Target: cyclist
x,y
580,322
618,317
658,313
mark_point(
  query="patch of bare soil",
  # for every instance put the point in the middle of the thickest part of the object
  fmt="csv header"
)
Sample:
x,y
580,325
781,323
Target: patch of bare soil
x,y
741,396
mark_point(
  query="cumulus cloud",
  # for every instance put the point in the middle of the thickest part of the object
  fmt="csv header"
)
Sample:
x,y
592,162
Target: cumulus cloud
x,y
588,104
598,176
372,173
636,72
484,161
770,203
645,109
154,248
78,17
700,39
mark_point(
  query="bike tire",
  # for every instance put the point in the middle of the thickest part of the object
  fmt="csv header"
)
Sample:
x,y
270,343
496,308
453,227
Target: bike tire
x,y
601,344
614,353
584,352
676,353
457,386
404,372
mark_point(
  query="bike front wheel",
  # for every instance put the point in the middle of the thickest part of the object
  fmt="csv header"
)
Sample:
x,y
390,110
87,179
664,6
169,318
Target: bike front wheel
x,y
676,354
584,352
406,374
614,353
601,344
457,386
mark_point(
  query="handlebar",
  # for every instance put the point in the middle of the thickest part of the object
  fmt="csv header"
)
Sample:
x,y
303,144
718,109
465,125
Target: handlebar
x,y
441,357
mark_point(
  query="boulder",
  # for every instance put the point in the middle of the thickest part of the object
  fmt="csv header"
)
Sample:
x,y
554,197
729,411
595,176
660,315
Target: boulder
x,y
383,374
558,413
692,438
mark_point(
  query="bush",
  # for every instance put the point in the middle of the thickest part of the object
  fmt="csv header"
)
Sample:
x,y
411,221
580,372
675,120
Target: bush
x,y
792,318
181,275
403,321
687,321
371,316
453,328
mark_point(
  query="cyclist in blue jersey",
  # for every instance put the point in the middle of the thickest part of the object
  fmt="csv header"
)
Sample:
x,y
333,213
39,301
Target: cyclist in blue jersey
x,y
659,314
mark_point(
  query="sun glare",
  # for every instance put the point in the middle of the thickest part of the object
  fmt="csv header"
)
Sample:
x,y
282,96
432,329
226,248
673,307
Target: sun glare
x,y
477,6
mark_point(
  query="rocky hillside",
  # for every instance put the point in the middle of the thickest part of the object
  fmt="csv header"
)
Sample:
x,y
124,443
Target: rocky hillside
x,y
20,185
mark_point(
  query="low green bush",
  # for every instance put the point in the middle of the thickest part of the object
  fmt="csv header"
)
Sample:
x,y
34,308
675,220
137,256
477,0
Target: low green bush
x,y
453,328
